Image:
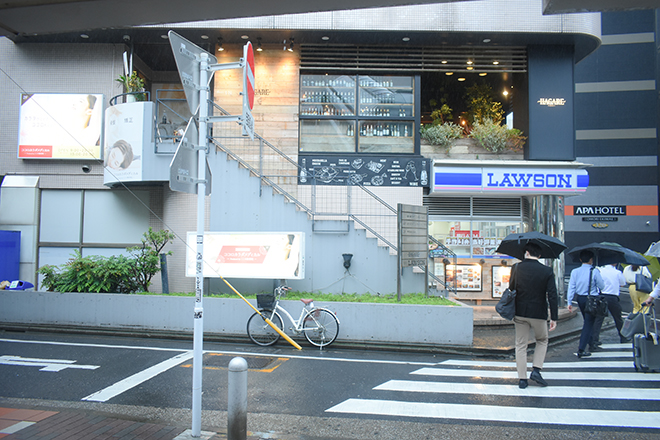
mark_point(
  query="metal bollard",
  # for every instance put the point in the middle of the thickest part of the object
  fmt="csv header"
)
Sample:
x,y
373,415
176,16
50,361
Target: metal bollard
x,y
237,400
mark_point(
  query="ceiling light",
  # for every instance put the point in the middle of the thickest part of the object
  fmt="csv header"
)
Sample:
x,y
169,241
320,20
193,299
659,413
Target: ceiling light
x,y
461,79
505,93
406,38
85,36
245,37
220,48
204,37
259,49
444,61
496,62
164,36
449,73
470,68
291,45
486,40
483,74
469,62
325,38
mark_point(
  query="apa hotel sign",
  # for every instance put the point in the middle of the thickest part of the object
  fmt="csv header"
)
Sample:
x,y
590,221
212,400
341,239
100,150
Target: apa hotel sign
x,y
517,179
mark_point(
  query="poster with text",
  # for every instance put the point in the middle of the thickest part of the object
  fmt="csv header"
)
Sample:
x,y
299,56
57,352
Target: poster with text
x,y
125,127
467,276
60,126
501,275
276,255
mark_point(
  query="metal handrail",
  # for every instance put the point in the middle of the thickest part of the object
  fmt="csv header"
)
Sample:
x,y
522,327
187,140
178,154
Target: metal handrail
x,y
312,212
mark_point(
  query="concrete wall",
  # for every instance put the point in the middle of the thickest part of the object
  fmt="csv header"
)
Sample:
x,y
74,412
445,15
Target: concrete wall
x,y
398,324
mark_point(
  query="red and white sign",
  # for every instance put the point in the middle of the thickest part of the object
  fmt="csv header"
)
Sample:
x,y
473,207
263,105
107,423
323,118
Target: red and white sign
x,y
248,79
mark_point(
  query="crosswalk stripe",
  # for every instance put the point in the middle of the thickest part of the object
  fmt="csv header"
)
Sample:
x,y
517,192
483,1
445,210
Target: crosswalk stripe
x,y
513,390
611,354
547,365
582,417
578,375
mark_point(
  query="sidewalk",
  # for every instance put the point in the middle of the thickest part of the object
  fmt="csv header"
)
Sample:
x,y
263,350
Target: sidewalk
x,y
34,424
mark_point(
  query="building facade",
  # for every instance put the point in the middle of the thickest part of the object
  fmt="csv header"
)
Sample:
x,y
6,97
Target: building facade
x,y
338,110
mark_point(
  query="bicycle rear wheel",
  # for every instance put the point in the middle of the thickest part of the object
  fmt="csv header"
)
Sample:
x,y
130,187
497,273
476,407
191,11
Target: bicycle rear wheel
x,y
321,327
260,332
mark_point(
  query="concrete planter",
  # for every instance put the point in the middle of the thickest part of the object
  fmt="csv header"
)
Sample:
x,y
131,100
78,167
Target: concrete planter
x,y
467,149
360,323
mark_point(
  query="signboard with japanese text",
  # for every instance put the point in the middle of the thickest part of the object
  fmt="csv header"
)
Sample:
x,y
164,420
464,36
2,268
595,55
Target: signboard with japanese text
x,y
128,131
367,170
272,255
60,126
501,275
467,276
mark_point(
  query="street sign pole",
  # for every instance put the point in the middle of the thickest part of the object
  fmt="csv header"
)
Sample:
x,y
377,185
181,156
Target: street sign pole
x,y
198,329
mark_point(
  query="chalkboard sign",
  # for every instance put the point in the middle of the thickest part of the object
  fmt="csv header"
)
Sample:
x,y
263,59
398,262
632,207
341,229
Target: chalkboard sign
x,y
364,170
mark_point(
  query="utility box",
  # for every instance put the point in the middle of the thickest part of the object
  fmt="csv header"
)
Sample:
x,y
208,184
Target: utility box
x,y
10,255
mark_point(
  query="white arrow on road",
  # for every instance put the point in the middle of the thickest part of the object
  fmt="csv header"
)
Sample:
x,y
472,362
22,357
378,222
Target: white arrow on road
x,y
46,364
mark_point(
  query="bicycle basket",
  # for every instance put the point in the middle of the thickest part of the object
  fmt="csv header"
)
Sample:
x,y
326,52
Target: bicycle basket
x,y
265,301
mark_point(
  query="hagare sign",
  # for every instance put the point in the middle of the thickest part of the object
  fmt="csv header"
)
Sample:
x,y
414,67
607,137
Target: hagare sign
x,y
514,180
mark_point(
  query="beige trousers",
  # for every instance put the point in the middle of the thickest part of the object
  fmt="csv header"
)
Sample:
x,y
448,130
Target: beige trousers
x,y
637,297
522,326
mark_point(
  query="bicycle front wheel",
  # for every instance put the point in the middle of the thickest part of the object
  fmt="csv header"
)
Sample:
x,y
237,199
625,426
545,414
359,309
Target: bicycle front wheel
x,y
321,327
260,332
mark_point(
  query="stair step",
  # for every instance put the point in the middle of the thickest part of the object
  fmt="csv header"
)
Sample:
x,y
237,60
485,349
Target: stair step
x,y
331,226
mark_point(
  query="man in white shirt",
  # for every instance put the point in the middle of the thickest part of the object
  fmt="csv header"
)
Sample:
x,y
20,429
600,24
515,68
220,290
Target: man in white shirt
x,y
613,280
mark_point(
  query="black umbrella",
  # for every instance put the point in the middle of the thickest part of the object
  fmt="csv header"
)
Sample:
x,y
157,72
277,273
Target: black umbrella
x,y
514,245
609,253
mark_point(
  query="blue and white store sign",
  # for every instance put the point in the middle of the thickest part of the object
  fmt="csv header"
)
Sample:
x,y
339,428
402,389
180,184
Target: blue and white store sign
x,y
519,178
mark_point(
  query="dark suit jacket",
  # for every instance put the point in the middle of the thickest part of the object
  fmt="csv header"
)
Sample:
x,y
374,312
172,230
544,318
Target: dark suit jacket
x,y
535,289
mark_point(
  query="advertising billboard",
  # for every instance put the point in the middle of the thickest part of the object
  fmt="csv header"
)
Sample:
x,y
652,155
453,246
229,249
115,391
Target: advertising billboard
x,y
60,126
128,128
272,255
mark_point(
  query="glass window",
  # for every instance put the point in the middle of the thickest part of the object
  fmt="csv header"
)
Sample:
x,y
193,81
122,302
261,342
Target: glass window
x,y
469,239
327,135
386,137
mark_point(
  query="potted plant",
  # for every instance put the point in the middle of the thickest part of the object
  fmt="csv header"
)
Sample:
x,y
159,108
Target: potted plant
x,y
133,84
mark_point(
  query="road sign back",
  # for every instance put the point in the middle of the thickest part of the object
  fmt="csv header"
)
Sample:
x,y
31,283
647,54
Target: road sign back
x,y
187,56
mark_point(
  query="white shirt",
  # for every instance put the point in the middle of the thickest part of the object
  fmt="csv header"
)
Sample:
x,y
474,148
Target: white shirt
x,y
629,274
613,280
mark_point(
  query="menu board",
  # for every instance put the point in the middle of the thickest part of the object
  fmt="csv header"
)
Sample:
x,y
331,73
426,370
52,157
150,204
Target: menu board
x,y
501,276
467,276
364,170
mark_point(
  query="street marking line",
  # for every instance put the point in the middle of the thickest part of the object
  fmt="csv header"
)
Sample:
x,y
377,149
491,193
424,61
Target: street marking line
x,y
611,354
80,344
546,365
491,413
126,384
577,375
52,365
236,353
513,390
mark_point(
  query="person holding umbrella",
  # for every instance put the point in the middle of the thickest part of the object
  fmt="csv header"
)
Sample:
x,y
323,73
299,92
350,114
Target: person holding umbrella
x,y
535,288
584,281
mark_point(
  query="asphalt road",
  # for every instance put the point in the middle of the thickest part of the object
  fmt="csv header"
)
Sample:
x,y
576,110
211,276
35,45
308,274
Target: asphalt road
x,y
337,394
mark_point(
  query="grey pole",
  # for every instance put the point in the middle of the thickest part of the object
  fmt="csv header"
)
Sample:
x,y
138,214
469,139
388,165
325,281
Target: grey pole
x,y
237,399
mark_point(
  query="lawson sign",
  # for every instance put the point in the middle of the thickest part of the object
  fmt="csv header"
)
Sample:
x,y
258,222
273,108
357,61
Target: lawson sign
x,y
509,180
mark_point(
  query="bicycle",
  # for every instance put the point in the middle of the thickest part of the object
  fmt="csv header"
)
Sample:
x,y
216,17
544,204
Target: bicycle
x,y
319,325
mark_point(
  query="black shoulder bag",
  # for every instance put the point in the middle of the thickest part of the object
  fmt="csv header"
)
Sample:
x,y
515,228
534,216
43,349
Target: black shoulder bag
x,y
506,306
596,304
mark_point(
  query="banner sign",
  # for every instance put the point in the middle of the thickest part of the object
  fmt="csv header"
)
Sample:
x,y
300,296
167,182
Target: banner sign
x,y
60,126
364,170
272,255
513,180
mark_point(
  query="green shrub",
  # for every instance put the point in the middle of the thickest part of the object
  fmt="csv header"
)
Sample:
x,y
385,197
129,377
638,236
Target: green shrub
x,y
442,134
115,274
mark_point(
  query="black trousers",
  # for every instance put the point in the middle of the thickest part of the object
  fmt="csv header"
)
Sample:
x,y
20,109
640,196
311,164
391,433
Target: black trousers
x,y
614,306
